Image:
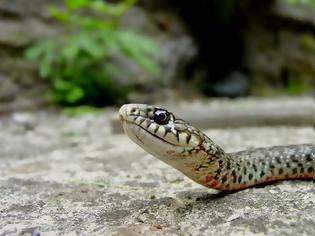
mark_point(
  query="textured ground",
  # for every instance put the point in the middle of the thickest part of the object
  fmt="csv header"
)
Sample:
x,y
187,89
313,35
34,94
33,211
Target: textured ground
x,y
71,176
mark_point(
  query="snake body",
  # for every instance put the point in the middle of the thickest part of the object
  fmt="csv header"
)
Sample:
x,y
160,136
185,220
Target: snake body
x,y
190,151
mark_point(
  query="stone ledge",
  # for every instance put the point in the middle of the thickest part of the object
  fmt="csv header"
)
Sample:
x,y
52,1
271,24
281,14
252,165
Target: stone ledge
x,y
243,112
301,13
68,175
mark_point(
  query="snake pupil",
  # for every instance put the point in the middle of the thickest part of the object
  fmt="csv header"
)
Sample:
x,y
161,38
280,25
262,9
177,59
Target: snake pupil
x,y
161,117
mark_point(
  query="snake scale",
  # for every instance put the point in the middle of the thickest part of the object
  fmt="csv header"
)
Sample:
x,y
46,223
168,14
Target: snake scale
x,y
190,151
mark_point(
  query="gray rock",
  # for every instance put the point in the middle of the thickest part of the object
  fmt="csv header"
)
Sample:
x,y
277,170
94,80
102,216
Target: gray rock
x,y
302,13
176,53
23,8
8,89
138,19
234,85
71,176
18,33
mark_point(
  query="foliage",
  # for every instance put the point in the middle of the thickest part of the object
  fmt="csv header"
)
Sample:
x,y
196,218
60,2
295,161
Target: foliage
x,y
79,65
80,110
310,3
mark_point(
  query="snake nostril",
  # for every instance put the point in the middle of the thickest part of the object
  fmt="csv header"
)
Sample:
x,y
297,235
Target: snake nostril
x,y
133,110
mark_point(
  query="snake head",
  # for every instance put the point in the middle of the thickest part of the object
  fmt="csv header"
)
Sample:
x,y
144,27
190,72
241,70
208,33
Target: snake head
x,y
159,131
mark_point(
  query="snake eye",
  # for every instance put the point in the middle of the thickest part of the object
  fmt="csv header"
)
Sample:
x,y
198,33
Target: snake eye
x,y
161,117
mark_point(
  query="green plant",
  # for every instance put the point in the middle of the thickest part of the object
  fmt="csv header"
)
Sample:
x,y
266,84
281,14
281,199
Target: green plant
x,y
79,65
310,3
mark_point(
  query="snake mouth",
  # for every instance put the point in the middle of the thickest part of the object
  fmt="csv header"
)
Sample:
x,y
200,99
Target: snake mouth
x,y
175,132
147,132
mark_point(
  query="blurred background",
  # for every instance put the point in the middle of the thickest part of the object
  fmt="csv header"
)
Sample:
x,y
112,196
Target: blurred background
x,y
85,53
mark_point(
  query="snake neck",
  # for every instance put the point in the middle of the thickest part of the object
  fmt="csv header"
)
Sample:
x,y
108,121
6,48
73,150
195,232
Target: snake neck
x,y
203,163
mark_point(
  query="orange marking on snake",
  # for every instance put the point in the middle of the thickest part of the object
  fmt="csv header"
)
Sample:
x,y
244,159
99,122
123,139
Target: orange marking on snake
x,y
209,178
211,182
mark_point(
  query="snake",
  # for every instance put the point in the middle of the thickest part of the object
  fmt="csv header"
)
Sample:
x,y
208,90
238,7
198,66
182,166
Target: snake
x,y
174,141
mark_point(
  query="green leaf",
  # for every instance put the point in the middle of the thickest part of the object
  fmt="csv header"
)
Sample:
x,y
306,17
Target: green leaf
x,y
70,50
92,46
77,4
45,68
61,15
112,9
61,85
74,94
140,49
33,53
43,53
134,42
79,110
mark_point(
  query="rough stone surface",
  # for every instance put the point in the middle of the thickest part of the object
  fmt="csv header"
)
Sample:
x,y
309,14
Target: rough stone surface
x,y
18,34
7,89
71,176
36,8
297,12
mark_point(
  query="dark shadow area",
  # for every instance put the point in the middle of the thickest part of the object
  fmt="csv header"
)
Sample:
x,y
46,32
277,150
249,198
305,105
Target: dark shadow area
x,y
217,34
